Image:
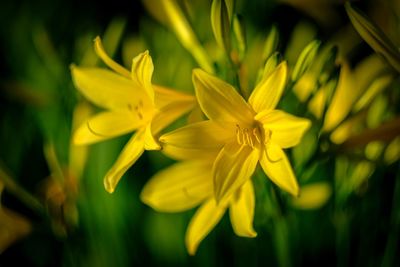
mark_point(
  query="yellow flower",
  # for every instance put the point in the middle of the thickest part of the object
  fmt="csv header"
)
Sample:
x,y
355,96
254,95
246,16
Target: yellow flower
x,y
242,133
189,183
131,103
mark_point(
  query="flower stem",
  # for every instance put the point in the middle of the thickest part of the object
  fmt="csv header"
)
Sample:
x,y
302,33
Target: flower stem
x,y
27,198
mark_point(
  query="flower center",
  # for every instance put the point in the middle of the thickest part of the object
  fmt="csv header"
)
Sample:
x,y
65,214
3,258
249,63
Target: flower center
x,y
252,136
137,109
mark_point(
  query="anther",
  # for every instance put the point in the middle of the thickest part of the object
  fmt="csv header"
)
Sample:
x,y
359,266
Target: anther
x,y
238,133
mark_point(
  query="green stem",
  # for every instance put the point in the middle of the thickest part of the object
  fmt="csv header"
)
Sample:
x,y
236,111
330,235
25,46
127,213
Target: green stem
x,y
393,236
27,198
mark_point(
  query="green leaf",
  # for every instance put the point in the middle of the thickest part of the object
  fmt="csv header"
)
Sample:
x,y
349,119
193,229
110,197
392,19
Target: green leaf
x,y
374,36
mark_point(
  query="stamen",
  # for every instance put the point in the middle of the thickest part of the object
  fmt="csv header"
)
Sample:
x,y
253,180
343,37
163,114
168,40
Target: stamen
x,y
238,132
255,133
247,136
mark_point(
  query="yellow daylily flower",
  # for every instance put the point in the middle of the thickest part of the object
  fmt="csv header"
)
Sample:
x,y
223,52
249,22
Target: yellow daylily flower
x,y
188,184
242,133
132,103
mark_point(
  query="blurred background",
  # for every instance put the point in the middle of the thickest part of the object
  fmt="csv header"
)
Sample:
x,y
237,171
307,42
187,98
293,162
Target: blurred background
x,y
54,210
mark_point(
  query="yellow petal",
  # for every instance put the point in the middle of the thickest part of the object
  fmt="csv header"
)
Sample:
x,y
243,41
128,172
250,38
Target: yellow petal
x,y
106,125
150,143
241,210
313,196
268,92
286,130
108,89
205,219
179,153
277,166
374,36
219,100
233,166
100,51
142,71
164,96
169,113
179,187
200,135
131,152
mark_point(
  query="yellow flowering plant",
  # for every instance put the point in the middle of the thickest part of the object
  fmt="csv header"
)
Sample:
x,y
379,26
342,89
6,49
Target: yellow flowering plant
x,y
231,120
132,103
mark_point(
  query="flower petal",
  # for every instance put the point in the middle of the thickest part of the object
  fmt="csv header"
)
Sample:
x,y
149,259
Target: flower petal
x,y
150,143
179,153
169,113
233,166
164,96
219,100
100,51
286,130
204,220
241,210
179,187
131,152
200,135
142,71
106,125
277,166
268,92
108,89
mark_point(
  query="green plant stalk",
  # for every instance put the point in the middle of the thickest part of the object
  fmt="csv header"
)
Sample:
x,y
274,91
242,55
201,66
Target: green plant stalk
x,y
24,196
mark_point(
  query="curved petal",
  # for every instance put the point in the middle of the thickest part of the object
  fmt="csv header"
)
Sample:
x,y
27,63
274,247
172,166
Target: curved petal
x,y
164,96
100,51
268,92
219,100
277,166
200,135
169,113
142,71
106,125
286,130
179,187
108,89
179,153
241,210
233,166
131,152
150,143
204,220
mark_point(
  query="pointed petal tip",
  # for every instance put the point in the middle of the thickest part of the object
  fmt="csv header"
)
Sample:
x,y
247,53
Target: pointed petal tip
x,y
296,191
251,234
110,188
190,246
97,39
